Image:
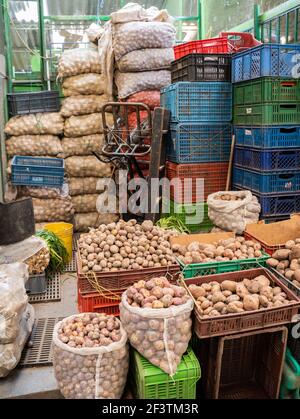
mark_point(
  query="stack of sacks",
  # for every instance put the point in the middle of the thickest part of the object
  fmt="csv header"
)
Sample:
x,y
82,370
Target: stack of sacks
x,y
38,135
83,88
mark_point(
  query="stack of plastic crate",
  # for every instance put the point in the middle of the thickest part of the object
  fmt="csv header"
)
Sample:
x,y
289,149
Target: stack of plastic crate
x,y
267,127
200,101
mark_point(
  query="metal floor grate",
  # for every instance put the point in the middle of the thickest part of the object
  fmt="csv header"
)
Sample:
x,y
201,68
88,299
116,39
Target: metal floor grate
x,y
53,292
41,338
75,238
71,266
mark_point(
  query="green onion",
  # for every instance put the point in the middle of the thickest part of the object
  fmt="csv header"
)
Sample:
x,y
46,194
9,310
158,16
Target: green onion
x,y
58,252
172,223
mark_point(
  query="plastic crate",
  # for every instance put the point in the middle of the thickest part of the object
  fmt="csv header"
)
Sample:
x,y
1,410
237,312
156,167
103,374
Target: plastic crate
x,y
286,282
244,366
290,384
273,60
229,324
25,103
206,46
266,90
268,137
241,40
37,171
213,174
197,212
267,160
199,143
107,303
36,284
202,67
267,114
198,102
266,183
294,344
150,382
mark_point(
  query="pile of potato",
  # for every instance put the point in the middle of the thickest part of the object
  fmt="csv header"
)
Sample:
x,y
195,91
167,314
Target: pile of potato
x,y
222,251
83,84
38,263
162,336
229,297
90,356
79,61
35,124
83,105
33,145
125,246
287,261
156,293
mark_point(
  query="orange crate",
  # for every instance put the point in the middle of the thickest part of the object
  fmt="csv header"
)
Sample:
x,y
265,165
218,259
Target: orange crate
x,y
214,175
97,303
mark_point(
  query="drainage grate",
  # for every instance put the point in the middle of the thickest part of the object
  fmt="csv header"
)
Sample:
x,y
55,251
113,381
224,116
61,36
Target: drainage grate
x,y
71,266
75,238
52,293
41,338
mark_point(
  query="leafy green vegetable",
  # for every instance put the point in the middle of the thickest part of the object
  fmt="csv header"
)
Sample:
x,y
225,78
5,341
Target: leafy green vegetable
x,y
172,223
58,253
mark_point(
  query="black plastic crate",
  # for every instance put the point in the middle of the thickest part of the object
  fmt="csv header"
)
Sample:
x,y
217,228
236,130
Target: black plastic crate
x,y
202,67
33,102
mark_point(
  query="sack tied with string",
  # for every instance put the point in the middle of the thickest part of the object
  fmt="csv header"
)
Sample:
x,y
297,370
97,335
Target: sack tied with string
x,y
83,105
83,84
33,145
79,61
35,124
146,60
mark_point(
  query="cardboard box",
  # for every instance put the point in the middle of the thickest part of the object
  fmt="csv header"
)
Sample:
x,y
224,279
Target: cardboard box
x,y
208,238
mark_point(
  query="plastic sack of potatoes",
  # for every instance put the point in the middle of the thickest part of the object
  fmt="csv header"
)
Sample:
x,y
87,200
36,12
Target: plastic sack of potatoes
x,y
146,60
84,84
83,222
233,214
44,193
35,124
82,185
10,354
130,83
134,36
13,301
51,210
79,61
82,105
96,372
82,146
151,98
160,335
85,203
33,145
79,126
85,166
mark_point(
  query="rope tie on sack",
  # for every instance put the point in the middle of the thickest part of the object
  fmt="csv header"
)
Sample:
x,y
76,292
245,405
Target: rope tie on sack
x,y
104,292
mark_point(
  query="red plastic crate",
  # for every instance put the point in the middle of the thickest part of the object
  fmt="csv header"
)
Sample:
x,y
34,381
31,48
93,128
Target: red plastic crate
x,y
241,40
96,303
214,175
206,46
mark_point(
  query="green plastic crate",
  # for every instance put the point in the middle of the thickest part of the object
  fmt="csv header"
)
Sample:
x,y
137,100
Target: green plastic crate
x,y
267,114
183,211
150,382
267,90
290,385
211,268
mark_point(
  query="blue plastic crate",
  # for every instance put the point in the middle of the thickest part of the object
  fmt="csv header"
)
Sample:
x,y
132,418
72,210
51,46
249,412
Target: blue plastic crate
x,y
199,143
37,171
268,183
268,160
198,102
273,60
284,136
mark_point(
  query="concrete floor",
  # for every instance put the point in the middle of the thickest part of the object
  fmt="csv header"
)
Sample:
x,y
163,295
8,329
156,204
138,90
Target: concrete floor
x,y
39,382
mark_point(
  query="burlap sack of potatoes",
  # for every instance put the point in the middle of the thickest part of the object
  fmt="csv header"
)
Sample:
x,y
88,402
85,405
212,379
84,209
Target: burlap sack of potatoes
x,y
82,222
82,185
130,83
82,105
79,126
84,84
84,166
82,146
51,210
85,203
132,36
146,60
42,193
35,124
79,61
33,145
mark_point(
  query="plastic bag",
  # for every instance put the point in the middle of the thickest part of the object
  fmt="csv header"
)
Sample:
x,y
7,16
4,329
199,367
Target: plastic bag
x,y
21,251
85,203
51,210
90,373
160,335
33,145
84,84
10,354
13,299
233,215
79,61
151,98
132,36
82,146
83,105
83,185
79,126
83,166
83,222
146,60
35,124
130,83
